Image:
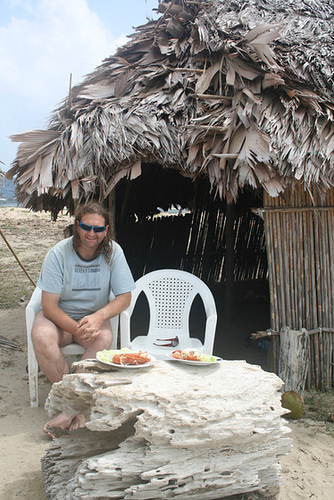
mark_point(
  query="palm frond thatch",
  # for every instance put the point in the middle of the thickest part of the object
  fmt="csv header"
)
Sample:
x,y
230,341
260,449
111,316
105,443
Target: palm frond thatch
x,y
240,91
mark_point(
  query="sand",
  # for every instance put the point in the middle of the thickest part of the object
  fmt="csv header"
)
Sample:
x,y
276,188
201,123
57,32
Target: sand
x,y
307,472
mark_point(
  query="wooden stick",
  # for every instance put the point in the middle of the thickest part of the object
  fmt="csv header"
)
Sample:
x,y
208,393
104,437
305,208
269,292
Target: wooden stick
x,y
211,96
331,266
164,15
288,267
326,285
316,361
314,314
207,127
225,155
280,271
188,70
300,275
271,333
295,209
16,257
70,93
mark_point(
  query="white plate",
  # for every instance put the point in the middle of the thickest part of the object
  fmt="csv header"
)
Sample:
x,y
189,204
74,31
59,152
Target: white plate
x,y
144,365
195,363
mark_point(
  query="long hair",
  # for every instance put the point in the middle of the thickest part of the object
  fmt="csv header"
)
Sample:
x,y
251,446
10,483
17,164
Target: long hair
x,y
93,207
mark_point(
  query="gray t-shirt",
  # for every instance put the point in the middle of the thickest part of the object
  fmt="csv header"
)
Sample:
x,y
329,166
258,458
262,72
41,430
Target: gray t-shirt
x,y
84,287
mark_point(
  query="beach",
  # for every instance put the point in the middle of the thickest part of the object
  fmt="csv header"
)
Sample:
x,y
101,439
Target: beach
x,y
307,472
7,192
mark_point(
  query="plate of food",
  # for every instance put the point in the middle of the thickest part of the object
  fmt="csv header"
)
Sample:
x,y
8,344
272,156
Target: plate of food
x,y
125,358
193,357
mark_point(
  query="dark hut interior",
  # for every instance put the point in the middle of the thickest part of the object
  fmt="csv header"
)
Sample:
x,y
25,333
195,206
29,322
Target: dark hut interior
x,y
222,110
222,244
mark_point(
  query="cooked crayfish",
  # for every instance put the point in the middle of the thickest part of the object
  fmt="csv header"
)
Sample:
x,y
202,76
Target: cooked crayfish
x,y
131,358
187,355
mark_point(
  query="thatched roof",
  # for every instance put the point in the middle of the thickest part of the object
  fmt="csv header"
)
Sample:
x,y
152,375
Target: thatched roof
x,y
239,91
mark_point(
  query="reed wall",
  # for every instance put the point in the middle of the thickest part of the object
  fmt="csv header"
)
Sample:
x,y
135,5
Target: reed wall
x,y
299,238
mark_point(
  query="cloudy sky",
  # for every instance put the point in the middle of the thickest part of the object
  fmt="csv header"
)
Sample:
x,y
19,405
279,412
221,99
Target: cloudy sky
x,y
42,42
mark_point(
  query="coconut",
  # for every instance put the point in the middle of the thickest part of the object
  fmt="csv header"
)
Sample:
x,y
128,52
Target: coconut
x,y
293,402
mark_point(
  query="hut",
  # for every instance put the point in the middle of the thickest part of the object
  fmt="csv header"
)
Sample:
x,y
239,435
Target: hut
x,y
223,108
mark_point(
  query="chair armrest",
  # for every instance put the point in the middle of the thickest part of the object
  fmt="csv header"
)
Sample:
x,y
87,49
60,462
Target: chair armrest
x,y
210,330
125,318
35,302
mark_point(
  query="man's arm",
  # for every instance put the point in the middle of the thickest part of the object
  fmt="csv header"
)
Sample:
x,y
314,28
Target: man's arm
x,y
113,308
89,326
52,311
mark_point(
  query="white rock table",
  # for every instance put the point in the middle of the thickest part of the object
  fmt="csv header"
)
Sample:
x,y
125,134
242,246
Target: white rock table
x,y
169,431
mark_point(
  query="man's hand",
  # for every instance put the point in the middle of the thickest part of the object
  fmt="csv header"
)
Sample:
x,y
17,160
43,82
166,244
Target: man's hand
x,y
89,327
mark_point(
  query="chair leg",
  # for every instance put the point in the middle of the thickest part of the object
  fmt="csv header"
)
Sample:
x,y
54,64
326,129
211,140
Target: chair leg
x,y
33,377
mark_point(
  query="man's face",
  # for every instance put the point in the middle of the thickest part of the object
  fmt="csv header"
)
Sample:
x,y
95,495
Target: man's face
x,y
91,239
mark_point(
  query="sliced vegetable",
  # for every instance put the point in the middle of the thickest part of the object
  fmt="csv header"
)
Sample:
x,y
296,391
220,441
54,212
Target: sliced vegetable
x,y
193,355
124,357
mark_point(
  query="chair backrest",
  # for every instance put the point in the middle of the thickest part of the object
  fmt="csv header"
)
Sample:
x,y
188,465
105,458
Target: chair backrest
x,y
170,294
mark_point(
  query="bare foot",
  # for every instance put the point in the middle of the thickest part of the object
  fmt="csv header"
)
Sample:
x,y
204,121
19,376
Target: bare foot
x,y
63,423
77,423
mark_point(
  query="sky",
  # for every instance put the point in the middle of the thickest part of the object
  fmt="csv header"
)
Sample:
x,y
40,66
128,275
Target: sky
x,y
42,42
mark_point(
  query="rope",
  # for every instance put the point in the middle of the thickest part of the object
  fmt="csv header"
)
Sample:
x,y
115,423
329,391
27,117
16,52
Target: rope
x,y
16,257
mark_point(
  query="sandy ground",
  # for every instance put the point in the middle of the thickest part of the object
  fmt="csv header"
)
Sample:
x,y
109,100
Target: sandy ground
x,y
307,472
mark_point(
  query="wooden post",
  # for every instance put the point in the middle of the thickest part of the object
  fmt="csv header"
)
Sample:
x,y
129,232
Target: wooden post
x,y
294,357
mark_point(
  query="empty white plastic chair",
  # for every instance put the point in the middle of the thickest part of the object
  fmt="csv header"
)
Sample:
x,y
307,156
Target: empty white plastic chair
x,y
35,305
170,294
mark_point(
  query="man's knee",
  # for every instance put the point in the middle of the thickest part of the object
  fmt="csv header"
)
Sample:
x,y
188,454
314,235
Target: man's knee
x,y
105,338
44,332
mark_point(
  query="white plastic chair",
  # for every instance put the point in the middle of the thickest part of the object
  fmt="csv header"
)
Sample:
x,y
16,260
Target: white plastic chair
x,y
170,294
35,305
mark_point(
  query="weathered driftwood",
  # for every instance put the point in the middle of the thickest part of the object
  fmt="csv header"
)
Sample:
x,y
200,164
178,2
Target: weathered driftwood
x,y
294,359
168,431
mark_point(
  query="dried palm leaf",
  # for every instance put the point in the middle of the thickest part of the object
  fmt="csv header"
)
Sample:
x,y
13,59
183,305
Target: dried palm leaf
x,y
8,344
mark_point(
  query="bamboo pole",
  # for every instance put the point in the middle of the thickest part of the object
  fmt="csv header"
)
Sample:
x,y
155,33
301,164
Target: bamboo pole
x,y
300,275
267,232
326,360
296,209
314,307
316,361
331,359
317,259
331,260
279,269
307,266
328,291
311,376
288,261
326,270
16,257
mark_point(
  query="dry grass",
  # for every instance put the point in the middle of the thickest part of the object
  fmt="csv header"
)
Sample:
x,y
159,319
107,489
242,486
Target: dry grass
x,y
30,236
319,405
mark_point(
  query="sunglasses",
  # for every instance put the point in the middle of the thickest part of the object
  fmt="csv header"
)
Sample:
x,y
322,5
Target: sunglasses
x,y
96,229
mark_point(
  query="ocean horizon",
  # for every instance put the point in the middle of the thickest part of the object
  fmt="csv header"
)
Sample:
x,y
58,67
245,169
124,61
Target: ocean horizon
x,y
7,193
